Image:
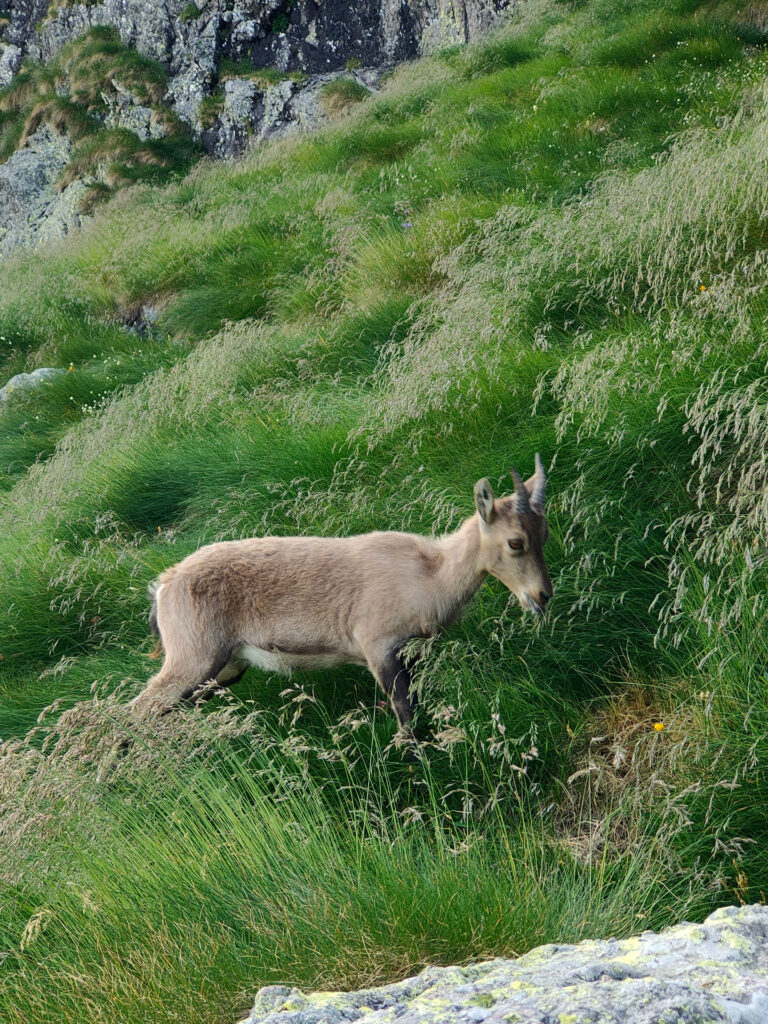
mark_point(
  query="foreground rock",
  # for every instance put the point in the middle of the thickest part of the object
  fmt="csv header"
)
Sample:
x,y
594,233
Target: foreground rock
x,y
691,974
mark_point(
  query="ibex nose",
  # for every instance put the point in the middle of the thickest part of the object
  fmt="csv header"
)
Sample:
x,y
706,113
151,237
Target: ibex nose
x,y
543,598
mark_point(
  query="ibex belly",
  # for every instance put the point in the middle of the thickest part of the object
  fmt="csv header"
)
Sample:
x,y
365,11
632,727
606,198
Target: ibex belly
x,y
277,659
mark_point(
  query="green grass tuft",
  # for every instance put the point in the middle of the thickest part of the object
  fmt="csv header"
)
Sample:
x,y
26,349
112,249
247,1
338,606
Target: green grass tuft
x,y
338,96
189,13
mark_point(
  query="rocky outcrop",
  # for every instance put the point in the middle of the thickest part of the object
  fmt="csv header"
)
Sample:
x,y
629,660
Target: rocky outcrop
x,y
323,36
250,111
711,973
32,210
10,62
213,51
192,39
307,35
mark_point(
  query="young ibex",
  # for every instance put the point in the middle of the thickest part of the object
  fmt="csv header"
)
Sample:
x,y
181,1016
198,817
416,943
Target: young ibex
x,y
283,603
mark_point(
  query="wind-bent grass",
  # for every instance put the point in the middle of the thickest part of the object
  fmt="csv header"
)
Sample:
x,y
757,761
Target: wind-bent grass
x,y
551,242
304,884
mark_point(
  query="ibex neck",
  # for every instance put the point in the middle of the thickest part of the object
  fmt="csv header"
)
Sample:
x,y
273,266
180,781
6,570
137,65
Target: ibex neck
x,y
459,574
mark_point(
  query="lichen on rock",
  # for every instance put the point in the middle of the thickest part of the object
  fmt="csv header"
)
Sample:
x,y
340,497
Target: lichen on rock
x,y
709,973
32,209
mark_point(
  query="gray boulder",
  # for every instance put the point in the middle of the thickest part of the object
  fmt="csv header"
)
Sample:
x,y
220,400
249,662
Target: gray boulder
x,y
10,62
277,100
251,112
451,22
24,382
194,64
241,113
711,973
126,111
32,210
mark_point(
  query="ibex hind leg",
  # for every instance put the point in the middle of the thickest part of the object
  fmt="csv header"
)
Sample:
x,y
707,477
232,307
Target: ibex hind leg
x,y
179,681
233,672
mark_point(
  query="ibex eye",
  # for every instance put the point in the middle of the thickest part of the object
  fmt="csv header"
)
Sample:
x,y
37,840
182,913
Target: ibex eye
x,y
516,545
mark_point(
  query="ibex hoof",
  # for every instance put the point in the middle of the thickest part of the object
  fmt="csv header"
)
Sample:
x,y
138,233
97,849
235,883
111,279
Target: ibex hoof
x,y
405,740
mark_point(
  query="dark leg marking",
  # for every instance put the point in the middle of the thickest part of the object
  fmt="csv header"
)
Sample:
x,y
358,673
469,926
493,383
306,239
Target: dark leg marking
x,y
209,683
395,679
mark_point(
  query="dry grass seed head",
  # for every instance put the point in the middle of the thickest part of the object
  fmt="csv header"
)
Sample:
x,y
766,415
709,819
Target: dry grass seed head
x,y
634,757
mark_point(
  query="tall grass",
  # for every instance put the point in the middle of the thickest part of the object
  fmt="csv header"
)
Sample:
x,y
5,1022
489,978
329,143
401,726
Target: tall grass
x,y
305,881
549,242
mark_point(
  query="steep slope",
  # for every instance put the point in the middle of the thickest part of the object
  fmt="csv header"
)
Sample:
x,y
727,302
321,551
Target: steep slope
x,y
93,95
554,240
198,42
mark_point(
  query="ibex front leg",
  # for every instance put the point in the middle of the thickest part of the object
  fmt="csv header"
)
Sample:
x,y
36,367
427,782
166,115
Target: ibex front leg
x,y
394,677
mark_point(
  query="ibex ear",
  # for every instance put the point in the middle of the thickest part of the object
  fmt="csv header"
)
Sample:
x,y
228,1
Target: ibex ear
x,y
484,500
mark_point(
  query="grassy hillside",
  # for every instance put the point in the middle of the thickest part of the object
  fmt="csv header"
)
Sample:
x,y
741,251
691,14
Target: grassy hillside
x,y
555,241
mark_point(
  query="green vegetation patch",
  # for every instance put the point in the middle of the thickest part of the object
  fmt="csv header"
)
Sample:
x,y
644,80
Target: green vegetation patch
x,y
550,242
338,96
190,13
264,77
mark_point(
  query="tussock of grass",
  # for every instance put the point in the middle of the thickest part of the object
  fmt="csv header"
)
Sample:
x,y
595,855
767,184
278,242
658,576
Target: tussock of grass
x,y
537,244
126,158
62,115
338,96
264,77
69,95
89,65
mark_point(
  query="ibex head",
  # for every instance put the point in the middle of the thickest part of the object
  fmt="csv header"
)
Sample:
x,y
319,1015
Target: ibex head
x,y
513,532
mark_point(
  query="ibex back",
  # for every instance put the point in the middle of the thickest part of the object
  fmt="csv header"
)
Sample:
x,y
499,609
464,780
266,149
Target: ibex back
x,y
285,603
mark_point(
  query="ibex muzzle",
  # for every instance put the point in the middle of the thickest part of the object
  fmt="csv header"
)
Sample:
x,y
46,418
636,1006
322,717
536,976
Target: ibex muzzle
x,y
288,603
